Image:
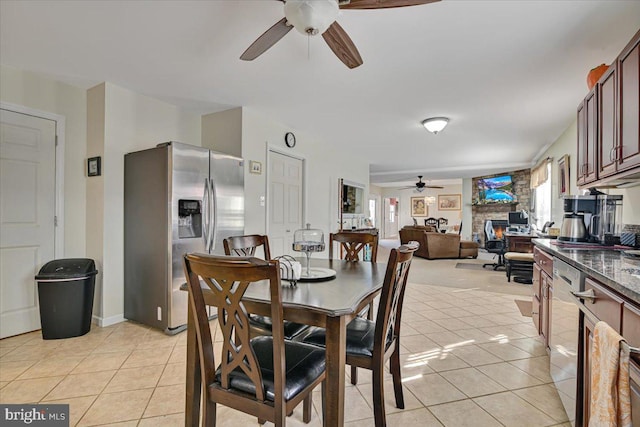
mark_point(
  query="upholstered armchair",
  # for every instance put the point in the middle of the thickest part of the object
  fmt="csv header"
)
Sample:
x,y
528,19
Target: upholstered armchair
x,y
434,245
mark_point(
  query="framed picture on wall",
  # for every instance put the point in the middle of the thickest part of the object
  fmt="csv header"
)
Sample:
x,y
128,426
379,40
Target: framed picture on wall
x,y
563,176
419,207
449,202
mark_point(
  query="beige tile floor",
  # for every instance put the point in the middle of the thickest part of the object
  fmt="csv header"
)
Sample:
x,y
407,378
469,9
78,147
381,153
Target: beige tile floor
x,y
469,358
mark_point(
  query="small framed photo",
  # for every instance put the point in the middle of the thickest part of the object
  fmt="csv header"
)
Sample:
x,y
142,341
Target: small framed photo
x,y
93,166
419,207
449,202
563,176
255,167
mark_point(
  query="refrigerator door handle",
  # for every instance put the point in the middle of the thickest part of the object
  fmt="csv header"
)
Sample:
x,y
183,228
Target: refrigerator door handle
x,y
214,216
205,214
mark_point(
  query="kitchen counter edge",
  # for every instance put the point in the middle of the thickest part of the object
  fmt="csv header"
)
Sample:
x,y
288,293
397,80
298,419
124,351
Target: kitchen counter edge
x,y
610,267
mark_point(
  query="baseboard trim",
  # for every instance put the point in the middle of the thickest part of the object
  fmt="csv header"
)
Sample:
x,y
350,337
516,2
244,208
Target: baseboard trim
x,y
108,321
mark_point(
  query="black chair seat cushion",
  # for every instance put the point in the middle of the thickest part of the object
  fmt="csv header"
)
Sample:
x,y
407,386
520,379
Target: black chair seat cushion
x,y
304,364
291,329
360,337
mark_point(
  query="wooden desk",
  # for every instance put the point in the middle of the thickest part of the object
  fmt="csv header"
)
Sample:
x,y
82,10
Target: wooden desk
x,y
331,305
516,242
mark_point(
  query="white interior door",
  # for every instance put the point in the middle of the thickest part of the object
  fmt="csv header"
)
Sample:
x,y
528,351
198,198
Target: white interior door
x,y
285,202
390,218
27,211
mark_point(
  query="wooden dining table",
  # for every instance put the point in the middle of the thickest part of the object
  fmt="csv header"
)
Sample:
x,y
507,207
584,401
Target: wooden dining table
x,y
330,304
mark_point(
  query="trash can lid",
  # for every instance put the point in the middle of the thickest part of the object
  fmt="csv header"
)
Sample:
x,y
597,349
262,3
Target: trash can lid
x,y
68,268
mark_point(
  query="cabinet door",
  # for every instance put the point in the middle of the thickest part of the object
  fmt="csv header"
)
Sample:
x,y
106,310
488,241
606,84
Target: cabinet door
x,y
548,310
544,307
589,326
582,144
536,310
628,66
591,127
607,132
634,383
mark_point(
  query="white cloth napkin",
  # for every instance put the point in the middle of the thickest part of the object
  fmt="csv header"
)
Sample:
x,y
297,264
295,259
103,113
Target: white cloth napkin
x,y
290,270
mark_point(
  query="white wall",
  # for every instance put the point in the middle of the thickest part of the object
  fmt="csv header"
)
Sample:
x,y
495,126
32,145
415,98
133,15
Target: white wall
x,y
467,209
41,93
567,144
404,197
131,122
323,169
222,131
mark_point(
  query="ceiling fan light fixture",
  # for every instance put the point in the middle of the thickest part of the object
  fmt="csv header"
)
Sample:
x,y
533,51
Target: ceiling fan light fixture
x,y
311,17
435,124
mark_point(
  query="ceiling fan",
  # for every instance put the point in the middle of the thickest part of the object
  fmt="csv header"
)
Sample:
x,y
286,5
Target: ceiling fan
x,y
312,17
420,186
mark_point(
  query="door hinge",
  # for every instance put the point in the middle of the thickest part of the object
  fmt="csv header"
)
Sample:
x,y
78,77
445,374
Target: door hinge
x,y
55,220
56,140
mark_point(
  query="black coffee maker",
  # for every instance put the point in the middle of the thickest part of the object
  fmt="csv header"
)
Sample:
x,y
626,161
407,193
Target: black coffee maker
x,y
594,218
578,212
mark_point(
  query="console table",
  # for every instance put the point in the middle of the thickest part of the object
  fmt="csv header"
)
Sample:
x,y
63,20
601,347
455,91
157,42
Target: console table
x,y
517,242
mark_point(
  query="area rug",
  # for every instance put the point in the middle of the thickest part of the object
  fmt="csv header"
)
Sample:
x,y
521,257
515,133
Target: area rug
x,y
525,307
469,266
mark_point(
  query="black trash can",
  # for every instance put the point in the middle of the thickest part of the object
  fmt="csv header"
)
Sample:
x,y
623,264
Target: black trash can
x,y
65,292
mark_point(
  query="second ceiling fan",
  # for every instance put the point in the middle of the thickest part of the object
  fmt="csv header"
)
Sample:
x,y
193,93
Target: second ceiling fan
x,y
312,17
420,186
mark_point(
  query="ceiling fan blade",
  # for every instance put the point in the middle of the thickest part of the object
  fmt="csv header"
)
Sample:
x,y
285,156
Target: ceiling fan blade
x,y
383,4
438,187
266,40
342,45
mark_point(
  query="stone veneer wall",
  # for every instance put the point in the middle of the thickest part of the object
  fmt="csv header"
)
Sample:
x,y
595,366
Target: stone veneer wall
x,y
481,213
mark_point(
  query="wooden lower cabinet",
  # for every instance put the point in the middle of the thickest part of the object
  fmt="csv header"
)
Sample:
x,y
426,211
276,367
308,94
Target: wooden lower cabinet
x,y
545,319
535,310
623,316
634,375
542,295
587,335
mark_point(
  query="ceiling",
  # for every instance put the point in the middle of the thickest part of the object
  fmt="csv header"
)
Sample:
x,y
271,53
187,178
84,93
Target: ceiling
x,y
508,74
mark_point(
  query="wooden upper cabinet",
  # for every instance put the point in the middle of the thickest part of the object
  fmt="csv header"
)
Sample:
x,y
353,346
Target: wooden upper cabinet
x,y
591,114
607,141
609,122
587,138
581,151
628,65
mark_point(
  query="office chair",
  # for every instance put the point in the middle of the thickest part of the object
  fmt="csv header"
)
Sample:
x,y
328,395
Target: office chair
x,y
493,245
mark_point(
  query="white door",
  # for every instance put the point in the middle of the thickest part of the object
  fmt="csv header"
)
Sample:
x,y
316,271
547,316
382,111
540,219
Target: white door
x,y
390,218
27,209
285,202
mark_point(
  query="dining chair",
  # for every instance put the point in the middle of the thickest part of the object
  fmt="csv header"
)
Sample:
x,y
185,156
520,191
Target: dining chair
x,y
247,246
442,222
370,344
432,222
353,243
265,376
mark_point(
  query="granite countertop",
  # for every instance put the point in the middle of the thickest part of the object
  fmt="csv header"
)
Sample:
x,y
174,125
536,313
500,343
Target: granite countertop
x,y
613,268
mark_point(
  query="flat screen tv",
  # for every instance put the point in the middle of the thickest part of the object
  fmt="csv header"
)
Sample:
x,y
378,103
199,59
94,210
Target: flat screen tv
x,y
497,189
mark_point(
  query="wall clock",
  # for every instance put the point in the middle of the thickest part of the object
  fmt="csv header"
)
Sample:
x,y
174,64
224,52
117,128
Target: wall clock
x,y
290,139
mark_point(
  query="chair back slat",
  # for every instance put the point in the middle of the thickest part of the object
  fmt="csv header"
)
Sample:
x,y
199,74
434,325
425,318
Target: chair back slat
x,y
245,246
390,306
353,243
228,278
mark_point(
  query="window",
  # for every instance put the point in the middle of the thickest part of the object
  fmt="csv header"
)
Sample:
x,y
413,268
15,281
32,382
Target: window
x,y
542,197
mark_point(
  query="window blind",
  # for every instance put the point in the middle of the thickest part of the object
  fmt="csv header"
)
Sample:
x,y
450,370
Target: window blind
x,y
539,173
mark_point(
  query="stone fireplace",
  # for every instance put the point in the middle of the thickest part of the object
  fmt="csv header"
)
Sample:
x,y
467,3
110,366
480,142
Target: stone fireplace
x,y
500,211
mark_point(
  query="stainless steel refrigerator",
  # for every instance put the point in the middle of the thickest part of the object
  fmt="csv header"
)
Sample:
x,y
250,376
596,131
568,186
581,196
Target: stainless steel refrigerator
x,y
178,198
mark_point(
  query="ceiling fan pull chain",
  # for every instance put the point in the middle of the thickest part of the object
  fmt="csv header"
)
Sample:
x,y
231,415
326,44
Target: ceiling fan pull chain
x,y
308,46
